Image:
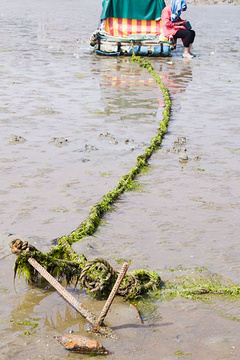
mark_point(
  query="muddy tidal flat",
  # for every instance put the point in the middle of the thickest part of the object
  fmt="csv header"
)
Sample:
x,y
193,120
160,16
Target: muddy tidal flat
x,y
72,124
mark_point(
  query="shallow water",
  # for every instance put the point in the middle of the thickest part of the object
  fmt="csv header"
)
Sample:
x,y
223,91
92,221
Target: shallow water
x,y
85,119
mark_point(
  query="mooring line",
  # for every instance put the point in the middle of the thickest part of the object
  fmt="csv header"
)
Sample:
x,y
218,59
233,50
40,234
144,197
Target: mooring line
x,y
89,225
141,281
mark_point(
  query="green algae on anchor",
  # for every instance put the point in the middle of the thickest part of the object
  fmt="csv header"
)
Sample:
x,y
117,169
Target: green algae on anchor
x,y
57,267
96,276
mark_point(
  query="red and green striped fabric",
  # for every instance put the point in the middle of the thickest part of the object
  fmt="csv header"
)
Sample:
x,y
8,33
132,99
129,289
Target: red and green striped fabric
x,y
119,27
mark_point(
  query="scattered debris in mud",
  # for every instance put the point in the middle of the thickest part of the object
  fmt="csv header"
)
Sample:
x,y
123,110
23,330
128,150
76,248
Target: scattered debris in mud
x,y
88,148
179,147
59,141
16,139
183,158
108,136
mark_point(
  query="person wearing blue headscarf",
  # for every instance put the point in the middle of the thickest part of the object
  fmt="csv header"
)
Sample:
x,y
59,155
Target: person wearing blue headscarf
x,y
174,27
177,6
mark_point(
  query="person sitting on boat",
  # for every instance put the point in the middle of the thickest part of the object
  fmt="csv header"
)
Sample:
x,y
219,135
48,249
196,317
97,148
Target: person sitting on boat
x,y
174,26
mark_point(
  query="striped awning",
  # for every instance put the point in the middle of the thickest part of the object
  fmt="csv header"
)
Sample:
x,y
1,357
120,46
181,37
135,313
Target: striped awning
x,y
118,27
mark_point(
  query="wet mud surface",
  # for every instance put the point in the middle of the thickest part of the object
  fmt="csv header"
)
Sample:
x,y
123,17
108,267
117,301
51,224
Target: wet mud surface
x,y
72,124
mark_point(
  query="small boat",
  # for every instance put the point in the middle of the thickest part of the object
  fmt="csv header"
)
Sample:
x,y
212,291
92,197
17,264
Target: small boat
x,y
131,26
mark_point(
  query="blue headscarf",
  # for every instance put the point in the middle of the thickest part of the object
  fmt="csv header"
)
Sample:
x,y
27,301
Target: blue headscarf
x,y
177,6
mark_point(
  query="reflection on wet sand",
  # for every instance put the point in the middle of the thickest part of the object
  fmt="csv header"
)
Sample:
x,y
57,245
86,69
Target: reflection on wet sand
x,y
176,76
128,93
124,74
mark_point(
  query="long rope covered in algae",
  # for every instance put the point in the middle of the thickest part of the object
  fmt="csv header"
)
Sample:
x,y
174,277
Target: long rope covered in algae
x,y
89,226
97,276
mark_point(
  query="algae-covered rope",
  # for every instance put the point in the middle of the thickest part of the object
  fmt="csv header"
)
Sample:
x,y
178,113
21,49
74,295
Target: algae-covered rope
x,y
134,284
97,276
89,225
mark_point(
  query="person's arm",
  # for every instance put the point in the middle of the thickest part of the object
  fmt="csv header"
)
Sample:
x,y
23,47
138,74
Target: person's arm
x,y
179,21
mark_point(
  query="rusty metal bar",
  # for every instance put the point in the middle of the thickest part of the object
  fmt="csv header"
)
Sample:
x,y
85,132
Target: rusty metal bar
x,y
112,294
89,316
